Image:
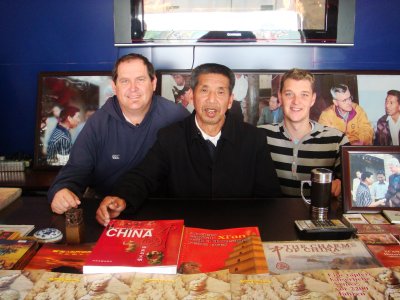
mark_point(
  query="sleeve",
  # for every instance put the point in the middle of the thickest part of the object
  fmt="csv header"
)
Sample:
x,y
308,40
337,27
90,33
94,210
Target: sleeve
x,y
75,174
324,119
267,183
136,185
365,130
344,141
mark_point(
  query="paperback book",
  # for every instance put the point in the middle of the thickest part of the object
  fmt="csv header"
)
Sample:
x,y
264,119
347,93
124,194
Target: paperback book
x,y
63,258
136,246
375,218
387,255
237,249
15,254
392,215
299,256
23,230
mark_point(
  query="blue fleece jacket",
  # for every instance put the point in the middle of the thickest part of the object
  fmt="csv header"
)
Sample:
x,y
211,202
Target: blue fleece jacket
x,y
108,146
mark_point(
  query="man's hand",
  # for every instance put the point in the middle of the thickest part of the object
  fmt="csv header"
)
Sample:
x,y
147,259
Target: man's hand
x,y
64,200
336,187
111,207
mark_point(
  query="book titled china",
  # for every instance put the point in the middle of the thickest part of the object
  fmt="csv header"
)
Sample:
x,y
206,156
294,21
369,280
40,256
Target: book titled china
x,y
299,256
238,250
136,246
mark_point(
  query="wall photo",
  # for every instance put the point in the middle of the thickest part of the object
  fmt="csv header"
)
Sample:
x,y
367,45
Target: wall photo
x,y
65,101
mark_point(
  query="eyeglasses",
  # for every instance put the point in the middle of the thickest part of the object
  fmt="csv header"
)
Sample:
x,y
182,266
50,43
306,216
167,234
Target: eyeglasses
x,y
350,99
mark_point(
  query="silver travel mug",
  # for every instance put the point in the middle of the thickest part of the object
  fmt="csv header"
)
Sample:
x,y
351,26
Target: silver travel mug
x,y
321,184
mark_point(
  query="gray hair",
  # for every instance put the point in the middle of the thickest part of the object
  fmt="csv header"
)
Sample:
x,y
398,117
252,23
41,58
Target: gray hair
x,y
339,88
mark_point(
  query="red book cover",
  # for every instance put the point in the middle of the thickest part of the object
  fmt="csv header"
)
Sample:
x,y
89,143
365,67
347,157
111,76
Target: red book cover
x,y
387,255
60,258
136,246
237,249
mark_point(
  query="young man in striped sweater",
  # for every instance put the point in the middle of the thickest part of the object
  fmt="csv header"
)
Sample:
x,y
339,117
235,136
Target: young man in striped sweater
x,y
299,144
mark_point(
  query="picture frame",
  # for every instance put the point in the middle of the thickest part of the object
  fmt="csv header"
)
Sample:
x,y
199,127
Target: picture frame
x,y
368,90
364,159
86,91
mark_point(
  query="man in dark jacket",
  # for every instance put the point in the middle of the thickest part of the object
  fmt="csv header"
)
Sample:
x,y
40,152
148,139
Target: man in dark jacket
x,y
210,154
116,137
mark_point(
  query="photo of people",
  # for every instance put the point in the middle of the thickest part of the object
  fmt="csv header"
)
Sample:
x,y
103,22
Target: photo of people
x,y
375,180
65,103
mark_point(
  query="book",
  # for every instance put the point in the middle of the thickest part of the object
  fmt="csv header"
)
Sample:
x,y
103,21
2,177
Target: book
x,y
56,285
9,235
393,216
237,249
136,246
15,254
387,255
299,256
16,284
370,283
378,228
351,219
64,258
375,218
377,238
23,230
8,195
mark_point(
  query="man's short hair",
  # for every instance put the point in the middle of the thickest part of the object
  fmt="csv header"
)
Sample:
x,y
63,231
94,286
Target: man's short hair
x,y
69,111
339,88
394,162
380,172
298,74
212,68
365,175
129,57
395,93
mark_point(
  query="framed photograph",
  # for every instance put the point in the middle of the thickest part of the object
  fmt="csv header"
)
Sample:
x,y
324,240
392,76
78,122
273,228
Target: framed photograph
x,y
65,101
370,178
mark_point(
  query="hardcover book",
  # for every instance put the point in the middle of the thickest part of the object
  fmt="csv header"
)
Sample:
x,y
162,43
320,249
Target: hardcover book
x,y
63,258
136,246
378,228
300,256
375,218
387,255
237,249
351,219
392,215
15,254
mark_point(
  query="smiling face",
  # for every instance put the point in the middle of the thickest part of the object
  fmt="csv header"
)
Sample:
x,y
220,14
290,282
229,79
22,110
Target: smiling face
x,y
297,98
343,101
211,99
392,106
134,87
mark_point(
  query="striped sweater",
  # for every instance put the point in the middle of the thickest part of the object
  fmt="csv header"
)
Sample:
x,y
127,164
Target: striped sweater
x,y
294,161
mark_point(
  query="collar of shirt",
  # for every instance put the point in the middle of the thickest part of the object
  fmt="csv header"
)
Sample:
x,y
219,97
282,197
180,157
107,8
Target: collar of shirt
x,y
212,139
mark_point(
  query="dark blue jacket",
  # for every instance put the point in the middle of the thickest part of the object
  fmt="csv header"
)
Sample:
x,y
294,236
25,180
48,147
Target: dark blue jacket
x,y
108,146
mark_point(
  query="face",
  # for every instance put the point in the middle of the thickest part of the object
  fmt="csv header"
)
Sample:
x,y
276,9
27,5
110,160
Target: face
x,y
74,121
380,177
343,101
392,106
179,79
297,98
211,99
369,180
134,88
358,174
273,103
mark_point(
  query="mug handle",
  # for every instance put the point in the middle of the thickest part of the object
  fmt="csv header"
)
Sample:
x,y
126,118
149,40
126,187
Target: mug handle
x,y
307,201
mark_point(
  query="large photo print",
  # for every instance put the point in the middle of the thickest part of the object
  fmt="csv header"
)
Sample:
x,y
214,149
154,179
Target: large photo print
x,y
65,101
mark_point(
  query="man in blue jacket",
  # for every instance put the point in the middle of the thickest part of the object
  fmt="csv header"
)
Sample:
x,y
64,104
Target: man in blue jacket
x,y
210,154
116,137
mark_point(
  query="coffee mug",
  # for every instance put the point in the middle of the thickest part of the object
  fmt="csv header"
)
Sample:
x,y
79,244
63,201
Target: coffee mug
x,y
321,184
